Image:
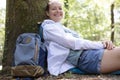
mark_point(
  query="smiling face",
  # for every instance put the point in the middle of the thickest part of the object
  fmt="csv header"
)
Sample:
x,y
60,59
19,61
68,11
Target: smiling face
x,y
55,11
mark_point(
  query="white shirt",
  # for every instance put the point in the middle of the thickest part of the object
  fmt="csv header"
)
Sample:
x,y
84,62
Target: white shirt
x,y
59,43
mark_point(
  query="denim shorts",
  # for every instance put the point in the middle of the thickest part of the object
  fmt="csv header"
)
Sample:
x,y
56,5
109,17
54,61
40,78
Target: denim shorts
x,y
90,60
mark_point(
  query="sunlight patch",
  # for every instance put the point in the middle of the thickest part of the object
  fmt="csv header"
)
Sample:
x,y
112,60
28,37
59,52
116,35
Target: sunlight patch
x,y
0,67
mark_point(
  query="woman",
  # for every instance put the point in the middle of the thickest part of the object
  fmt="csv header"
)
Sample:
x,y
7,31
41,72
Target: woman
x,y
66,49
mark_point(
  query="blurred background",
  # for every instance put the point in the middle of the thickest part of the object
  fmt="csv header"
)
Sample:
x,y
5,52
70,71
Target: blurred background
x,y
2,27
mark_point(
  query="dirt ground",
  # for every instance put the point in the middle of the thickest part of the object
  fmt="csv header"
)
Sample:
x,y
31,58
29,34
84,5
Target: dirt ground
x,y
70,77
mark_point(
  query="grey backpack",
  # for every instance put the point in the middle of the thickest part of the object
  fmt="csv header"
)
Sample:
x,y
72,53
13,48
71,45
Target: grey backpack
x,y
28,53
27,49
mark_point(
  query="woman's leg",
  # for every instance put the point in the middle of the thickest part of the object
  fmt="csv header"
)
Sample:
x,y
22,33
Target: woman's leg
x,y
111,60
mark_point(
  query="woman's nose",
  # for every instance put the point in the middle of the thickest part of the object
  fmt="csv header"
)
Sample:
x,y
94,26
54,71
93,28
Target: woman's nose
x,y
58,10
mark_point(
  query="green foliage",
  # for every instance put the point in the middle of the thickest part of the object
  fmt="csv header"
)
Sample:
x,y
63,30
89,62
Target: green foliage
x,y
2,17
117,3
90,18
2,31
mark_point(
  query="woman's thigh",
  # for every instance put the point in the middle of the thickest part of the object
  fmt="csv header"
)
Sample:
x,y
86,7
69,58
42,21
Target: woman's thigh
x,y
111,60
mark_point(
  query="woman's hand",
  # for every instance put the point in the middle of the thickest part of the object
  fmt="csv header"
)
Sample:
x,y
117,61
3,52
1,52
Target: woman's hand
x,y
108,45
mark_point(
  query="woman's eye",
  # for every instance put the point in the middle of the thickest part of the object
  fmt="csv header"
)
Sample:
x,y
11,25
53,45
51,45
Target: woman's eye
x,y
60,8
53,9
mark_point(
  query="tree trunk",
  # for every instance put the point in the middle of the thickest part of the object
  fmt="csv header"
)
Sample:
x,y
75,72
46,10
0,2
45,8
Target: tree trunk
x,y
112,23
21,16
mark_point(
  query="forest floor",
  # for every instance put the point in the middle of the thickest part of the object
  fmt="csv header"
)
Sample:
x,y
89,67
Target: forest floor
x,y
68,76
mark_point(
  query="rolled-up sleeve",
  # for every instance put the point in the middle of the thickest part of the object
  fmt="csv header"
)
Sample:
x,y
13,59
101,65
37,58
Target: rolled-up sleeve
x,y
55,33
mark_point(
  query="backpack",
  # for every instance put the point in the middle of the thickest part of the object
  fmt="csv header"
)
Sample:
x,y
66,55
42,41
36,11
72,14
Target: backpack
x,y
30,56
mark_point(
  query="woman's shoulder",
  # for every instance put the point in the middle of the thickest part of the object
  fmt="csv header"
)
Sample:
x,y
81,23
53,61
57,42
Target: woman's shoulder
x,y
47,22
50,24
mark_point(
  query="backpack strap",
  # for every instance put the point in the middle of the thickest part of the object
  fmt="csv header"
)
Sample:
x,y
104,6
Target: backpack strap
x,y
36,50
40,31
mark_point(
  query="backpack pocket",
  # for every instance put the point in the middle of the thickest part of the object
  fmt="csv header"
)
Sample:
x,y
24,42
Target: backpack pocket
x,y
27,71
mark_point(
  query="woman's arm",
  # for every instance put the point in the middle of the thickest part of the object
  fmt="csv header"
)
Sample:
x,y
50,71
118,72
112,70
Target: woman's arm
x,y
57,34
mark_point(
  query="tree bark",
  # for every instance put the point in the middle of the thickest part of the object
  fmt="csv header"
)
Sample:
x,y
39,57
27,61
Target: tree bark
x,y
21,16
112,23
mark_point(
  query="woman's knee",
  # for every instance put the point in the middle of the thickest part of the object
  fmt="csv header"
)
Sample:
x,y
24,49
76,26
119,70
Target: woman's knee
x,y
116,52
113,53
